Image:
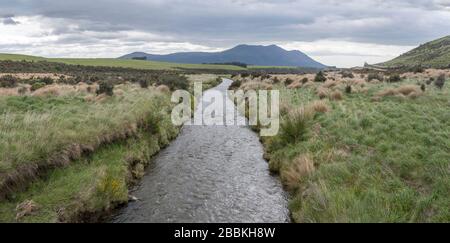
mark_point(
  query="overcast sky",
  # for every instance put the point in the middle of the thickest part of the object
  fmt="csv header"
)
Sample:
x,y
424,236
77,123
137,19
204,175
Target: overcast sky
x,y
334,32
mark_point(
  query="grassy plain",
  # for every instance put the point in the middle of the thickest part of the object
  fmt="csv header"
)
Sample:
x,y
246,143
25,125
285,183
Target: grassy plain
x,y
380,153
111,62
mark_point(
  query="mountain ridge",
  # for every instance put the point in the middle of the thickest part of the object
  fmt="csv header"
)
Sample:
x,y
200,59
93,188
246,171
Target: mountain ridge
x,y
435,54
258,55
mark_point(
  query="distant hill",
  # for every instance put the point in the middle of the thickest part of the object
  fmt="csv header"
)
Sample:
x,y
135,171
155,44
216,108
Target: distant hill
x,y
249,54
432,54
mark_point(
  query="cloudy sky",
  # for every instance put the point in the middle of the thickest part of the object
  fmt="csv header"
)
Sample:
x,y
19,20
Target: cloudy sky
x,y
336,32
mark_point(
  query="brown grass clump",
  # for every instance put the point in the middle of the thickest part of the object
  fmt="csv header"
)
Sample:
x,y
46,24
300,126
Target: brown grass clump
x,y
295,85
28,207
163,89
285,108
336,95
55,90
411,91
322,93
408,89
256,86
89,98
319,106
9,92
101,98
119,92
329,84
301,167
387,92
309,84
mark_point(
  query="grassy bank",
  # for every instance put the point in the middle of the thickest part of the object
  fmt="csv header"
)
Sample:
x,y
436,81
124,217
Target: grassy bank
x,y
80,151
374,152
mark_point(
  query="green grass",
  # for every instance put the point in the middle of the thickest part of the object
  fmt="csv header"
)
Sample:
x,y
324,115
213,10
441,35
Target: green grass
x,y
385,161
118,130
111,62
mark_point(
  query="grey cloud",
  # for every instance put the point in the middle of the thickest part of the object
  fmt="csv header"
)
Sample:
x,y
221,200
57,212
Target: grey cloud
x,y
9,21
228,22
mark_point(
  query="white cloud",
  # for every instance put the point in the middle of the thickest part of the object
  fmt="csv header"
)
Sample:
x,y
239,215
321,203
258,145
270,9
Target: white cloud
x,y
346,53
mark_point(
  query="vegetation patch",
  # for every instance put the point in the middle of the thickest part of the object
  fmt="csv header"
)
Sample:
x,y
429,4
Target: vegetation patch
x,y
355,160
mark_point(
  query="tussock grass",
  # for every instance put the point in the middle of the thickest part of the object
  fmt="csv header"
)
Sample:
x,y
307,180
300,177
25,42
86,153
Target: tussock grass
x,y
412,91
295,125
384,161
336,95
121,134
42,132
319,106
297,170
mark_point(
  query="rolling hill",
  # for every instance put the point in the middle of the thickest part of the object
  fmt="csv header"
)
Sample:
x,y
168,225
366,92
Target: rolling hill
x,y
434,54
249,54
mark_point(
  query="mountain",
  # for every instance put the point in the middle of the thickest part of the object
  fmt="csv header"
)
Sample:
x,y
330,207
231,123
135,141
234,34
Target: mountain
x,y
432,54
253,55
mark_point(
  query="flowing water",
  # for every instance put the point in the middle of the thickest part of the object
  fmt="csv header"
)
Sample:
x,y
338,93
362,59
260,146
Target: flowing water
x,y
209,174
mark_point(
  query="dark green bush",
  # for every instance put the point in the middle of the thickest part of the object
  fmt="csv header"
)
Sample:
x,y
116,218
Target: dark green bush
x,y
105,88
347,74
144,83
348,89
320,77
46,80
305,80
174,81
235,85
8,81
37,85
288,81
395,78
440,81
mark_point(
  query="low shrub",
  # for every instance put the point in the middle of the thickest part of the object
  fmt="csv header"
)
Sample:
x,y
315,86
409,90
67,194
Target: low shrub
x,y
320,77
347,74
46,80
348,89
395,78
235,85
8,81
440,81
173,81
144,83
288,81
37,85
305,80
105,88
423,87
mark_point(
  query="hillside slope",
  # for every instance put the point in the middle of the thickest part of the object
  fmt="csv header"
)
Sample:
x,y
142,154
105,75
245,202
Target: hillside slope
x,y
434,54
253,55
